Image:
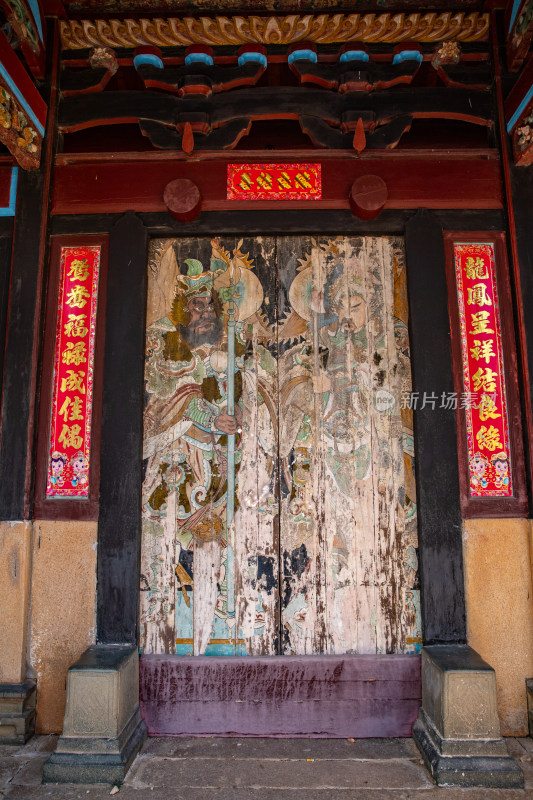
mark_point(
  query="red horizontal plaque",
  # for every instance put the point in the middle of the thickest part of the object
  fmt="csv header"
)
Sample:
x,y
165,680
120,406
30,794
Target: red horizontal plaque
x,y
274,182
487,423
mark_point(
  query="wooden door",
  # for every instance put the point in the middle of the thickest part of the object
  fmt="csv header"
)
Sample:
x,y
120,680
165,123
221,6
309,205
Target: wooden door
x,y
279,510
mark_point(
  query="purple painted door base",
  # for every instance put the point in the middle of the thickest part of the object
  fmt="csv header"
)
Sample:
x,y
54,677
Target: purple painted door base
x,y
294,696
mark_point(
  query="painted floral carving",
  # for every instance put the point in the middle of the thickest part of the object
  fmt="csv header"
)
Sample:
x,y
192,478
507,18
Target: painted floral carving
x,y
446,53
21,139
103,57
22,24
523,141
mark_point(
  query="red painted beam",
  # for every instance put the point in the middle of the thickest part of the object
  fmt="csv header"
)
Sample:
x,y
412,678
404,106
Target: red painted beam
x,y
518,98
6,173
18,81
116,186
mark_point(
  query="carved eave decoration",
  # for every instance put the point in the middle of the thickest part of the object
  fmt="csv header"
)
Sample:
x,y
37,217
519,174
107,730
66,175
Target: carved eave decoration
x,y
275,30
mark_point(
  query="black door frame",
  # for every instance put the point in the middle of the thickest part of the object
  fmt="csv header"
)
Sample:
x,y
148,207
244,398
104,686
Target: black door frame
x,y
438,502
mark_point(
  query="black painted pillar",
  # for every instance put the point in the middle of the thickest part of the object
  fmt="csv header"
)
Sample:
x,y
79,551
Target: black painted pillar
x,y
522,200
6,244
119,520
22,332
437,481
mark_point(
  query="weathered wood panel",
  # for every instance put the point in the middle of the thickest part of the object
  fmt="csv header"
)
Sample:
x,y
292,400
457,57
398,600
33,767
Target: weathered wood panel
x,y
210,552
274,370
324,697
348,582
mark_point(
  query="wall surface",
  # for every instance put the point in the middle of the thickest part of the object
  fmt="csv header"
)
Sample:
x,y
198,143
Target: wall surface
x,y
62,610
499,602
15,556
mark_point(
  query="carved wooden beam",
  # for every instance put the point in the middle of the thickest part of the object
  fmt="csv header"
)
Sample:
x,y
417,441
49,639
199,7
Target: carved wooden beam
x,y
274,30
355,75
107,108
28,26
519,30
22,109
199,79
519,117
220,120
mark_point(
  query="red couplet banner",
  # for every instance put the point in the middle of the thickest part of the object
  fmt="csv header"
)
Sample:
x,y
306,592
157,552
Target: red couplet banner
x,y
70,432
487,423
274,182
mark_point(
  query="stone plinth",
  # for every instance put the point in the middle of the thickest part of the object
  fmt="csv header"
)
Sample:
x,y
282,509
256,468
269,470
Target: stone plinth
x,y
17,712
103,729
458,730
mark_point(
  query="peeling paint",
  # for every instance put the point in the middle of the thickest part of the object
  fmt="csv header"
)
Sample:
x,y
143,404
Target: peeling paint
x,y
320,552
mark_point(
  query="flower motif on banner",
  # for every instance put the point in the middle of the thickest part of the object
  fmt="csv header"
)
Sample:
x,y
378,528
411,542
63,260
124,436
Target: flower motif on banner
x,y
70,434
489,456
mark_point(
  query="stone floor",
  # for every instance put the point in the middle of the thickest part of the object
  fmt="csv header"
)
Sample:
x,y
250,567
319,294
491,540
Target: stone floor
x,y
257,769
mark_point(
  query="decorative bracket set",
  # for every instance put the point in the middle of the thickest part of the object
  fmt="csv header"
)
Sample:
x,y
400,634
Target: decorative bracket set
x,y
203,105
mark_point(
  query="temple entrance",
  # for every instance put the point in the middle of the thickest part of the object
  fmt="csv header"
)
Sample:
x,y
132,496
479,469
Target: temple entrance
x,y
279,506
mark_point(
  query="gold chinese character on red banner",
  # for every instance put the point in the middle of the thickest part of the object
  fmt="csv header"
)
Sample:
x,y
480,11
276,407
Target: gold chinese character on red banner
x,y
274,182
483,374
70,430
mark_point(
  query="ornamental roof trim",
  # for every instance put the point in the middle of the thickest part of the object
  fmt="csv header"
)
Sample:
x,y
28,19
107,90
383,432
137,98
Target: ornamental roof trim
x,y
275,30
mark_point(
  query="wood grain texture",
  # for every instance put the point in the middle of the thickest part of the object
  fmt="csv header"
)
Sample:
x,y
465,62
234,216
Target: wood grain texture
x,y
19,359
320,341
121,462
389,222
208,572
522,188
343,517
109,187
5,264
437,479
325,697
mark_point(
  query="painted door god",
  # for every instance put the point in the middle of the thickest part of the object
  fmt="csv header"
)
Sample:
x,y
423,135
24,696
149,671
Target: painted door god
x,y
279,508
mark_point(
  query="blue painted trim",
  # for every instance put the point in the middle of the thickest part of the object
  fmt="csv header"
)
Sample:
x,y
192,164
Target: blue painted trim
x,y
354,55
34,5
303,55
9,211
218,649
514,12
408,55
147,58
520,110
199,58
20,97
252,57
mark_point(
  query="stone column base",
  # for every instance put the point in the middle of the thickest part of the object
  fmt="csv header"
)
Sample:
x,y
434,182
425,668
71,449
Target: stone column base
x,y
458,730
103,730
17,712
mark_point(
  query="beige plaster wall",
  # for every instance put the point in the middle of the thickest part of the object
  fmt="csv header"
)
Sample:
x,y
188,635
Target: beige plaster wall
x,y
63,610
15,558
499,607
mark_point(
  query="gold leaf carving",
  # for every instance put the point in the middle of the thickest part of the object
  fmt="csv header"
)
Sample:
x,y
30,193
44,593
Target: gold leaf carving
x,y
320,28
